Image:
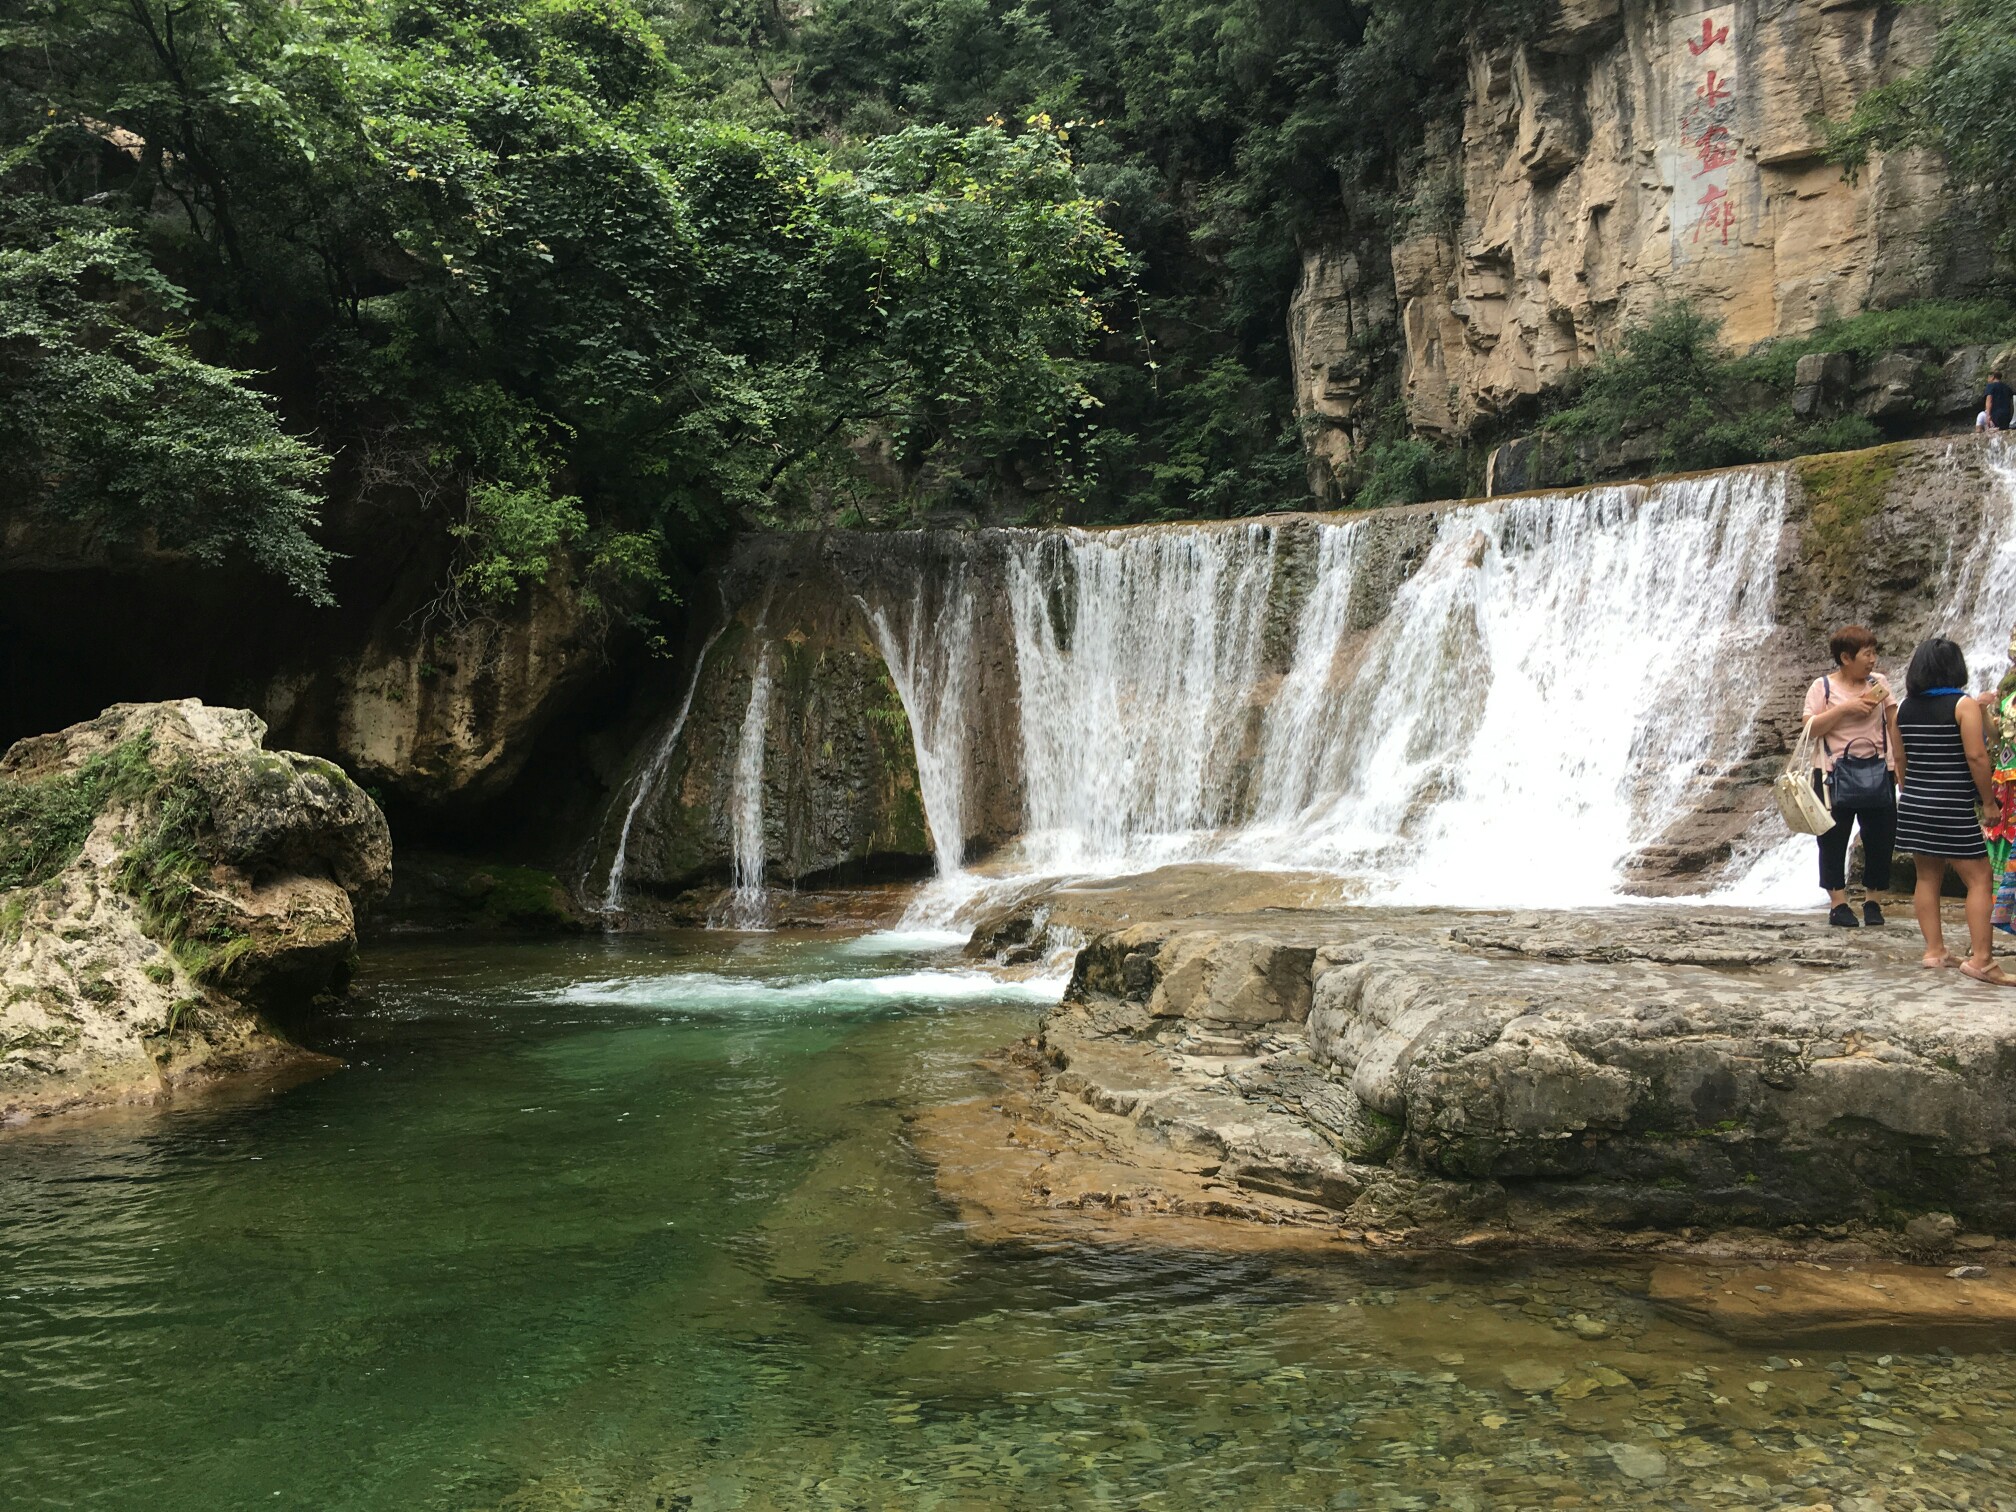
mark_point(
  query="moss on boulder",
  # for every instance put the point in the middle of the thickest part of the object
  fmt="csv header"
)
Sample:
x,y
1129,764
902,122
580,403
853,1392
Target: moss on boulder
x,y
163,883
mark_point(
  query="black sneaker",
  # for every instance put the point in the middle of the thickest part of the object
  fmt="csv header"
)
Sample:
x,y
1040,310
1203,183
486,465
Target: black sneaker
x,y
1872,916
1843,917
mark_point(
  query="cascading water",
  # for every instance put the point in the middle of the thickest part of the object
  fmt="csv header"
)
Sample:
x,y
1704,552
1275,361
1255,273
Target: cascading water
x,y
1981,598
929,661
1139,653
1525,716
1516,718
748,904
648,778
1514,727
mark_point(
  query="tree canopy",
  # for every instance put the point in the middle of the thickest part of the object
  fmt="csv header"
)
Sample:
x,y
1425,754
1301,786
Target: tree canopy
x,y
596,281
505,254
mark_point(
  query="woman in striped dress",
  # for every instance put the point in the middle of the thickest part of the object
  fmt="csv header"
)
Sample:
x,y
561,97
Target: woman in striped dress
x,y
1943,772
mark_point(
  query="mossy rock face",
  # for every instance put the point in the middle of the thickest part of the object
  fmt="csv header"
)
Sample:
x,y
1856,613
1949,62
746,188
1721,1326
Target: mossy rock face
x,y
1844,492
525,898
840,792
450,893
154,858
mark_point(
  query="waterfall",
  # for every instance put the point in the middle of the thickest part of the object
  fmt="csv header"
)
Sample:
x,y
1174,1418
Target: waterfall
x,y
747,907
1496,703
930,662
648,778
1139,654
1980,599
1560,679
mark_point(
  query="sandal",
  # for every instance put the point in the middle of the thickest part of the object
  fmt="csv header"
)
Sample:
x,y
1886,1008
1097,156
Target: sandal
x,y
1990,974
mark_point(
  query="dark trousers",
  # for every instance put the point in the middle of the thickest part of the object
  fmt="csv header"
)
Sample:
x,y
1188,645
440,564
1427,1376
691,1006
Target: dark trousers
x,y
1879,838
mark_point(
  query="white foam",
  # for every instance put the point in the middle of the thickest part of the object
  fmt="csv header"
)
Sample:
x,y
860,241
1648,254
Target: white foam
x,y
708,991
884,942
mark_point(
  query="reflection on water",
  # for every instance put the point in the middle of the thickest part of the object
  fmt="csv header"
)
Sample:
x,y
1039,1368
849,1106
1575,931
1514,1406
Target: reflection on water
x,y
630,1225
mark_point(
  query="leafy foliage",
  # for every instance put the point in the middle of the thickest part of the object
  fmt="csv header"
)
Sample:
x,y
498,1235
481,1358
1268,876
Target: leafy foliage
x,y
1224,137
1670,389
1403,469
1940,326
511,246
125,430
1957,105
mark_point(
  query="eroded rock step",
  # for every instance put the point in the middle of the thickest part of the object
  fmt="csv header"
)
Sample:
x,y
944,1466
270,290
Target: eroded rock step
x,y
1637,1077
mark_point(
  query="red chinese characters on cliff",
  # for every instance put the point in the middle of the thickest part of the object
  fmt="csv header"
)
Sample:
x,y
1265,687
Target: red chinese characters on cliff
x,y
1709,98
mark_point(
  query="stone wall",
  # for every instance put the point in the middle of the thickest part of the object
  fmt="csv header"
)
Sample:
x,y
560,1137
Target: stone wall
x,y
1637,151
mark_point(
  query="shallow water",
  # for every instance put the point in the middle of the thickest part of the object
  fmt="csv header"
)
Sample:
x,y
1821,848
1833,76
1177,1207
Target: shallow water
x,y
633,1225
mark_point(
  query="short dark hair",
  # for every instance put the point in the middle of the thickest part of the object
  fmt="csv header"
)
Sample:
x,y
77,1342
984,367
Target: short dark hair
x,y
1996,376
1937,663
1849,640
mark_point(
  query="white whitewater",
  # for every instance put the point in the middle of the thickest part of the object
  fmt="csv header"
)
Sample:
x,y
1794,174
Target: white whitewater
x,y
648,778
930,660
1139,656
1980,595
1519,722
1545,696
747,904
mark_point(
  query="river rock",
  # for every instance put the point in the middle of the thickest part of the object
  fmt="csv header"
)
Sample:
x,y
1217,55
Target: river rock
x,y
165,884
1641,1069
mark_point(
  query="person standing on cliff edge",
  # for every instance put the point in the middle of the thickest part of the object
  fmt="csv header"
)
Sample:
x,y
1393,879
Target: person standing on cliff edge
x,y
1999,403
1854,720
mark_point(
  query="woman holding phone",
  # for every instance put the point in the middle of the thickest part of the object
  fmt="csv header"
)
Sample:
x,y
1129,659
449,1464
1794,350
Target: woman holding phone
x,y
1947,794
1854,723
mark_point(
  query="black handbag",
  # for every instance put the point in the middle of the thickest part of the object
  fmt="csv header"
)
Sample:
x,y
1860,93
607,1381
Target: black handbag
x,y
1857,784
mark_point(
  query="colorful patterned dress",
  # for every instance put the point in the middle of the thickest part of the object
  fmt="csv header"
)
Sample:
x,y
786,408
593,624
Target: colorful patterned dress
x,y
2001,836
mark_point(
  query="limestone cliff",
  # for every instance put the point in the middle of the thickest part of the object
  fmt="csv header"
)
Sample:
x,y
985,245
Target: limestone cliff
x,y
164,883
1636,151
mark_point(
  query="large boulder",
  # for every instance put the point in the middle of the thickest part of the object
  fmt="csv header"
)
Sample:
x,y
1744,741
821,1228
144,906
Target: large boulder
x,y
165,884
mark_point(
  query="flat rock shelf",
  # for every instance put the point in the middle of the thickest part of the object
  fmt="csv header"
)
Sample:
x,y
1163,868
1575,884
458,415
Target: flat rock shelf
x,y
1640,1077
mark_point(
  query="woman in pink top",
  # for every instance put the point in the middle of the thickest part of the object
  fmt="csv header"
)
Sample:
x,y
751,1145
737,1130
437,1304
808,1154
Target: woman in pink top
x,y
1854,719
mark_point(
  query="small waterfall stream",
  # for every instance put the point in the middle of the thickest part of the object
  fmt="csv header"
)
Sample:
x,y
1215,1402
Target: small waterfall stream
x,y
748,906
930,660
648,778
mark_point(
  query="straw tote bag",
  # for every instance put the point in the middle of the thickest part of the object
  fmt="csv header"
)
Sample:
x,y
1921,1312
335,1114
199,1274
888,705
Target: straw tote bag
x,y
1805,812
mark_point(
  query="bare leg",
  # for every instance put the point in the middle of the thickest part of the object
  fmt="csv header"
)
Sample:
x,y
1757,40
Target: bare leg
x,y
1980,904
1836,897
1925,903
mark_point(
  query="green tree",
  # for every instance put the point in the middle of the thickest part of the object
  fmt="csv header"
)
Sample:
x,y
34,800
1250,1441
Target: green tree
x,y
1958,105
511,252
110,424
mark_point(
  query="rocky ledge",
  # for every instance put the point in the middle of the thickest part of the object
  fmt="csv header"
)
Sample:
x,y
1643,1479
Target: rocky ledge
x,y
165,886
1634,1076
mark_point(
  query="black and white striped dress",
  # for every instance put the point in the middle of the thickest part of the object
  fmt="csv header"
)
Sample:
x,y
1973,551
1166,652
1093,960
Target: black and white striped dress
x,y
1935,808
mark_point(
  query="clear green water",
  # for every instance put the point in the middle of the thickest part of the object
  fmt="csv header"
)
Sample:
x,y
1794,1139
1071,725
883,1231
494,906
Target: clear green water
x,y
633,1225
